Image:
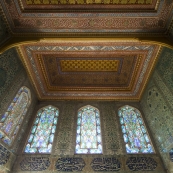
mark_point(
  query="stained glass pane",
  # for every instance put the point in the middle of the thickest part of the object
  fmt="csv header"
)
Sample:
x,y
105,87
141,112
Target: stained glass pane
x,y
43,131
88,138
134,131
13,117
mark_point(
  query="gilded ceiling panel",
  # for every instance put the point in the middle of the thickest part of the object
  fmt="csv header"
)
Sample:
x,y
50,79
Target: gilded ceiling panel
x,y
88,65
100,70
89,69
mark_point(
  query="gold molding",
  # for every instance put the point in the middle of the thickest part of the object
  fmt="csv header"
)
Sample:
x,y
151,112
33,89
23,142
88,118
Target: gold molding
x,y
28,71
151,70
18,41
63,40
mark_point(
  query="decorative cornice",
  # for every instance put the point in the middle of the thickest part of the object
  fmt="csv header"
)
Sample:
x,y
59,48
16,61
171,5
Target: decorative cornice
x,y
102,24
79,93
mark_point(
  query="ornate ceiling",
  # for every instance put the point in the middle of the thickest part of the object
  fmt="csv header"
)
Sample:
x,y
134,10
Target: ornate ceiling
x,y
47,18
89,4
89,69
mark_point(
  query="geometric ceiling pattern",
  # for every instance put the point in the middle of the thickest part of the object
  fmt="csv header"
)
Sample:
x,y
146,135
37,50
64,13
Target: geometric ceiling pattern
x,y
89,69
54,20
109,69
89,4
57,2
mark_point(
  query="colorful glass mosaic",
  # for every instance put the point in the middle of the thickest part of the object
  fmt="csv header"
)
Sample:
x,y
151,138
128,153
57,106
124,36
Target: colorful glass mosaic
x,y
88,139
13,117
134,131
43,131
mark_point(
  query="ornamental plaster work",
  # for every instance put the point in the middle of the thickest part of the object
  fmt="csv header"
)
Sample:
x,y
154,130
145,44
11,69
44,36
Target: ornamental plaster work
x,y
165,67
158,114
90,163
6,159
14,76
19,139
111,85
111,130
5,154
10,69
157,104
86,22
63,142
63,157
89,69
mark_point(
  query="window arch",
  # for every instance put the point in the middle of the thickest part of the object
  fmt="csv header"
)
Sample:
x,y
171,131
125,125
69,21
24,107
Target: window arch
x,y
13,117
43,131
88,137
134,131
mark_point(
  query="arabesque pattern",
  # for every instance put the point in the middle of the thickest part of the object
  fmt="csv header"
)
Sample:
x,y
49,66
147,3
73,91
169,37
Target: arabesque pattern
x,y
12,119
110,123
89,65
136,63
157,103
4,155
128,22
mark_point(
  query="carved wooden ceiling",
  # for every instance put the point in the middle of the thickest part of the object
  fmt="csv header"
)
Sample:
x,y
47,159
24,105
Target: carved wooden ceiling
x,y
93,68
89,69
89,4
52,18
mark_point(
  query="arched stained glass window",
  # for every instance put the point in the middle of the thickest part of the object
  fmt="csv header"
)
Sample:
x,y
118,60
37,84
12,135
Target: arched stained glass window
x,y
43,131
88,138
134,131
13,117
